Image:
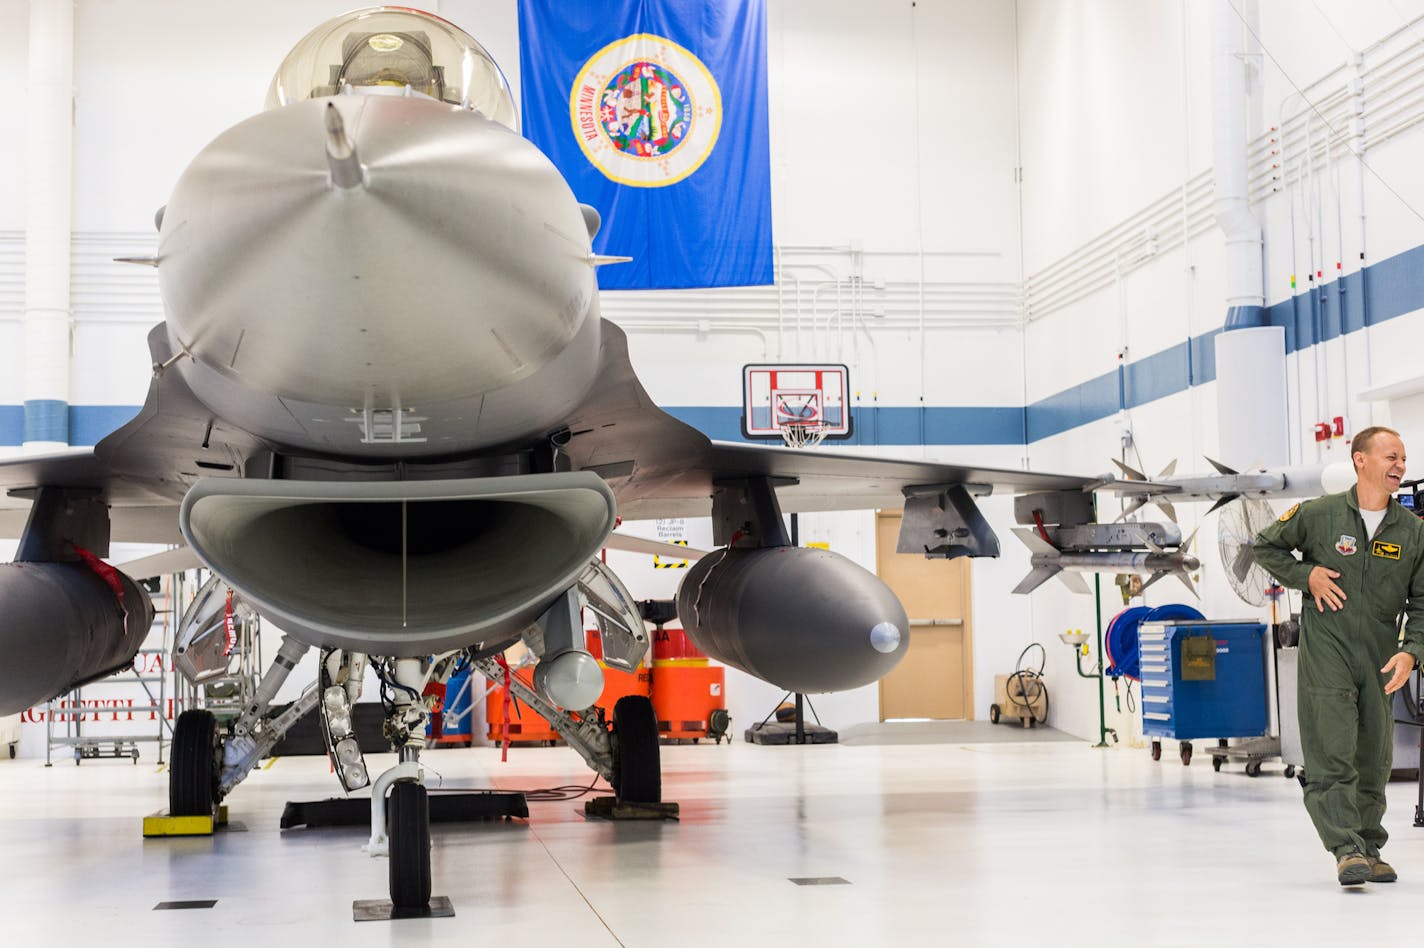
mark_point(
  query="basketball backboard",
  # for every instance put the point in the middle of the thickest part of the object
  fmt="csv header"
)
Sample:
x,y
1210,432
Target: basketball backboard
x,y
777,396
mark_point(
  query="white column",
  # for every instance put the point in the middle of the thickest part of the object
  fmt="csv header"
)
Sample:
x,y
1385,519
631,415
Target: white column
x,y
49,128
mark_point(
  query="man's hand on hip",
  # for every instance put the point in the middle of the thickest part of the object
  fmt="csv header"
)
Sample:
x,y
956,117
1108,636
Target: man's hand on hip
x,y
1323,589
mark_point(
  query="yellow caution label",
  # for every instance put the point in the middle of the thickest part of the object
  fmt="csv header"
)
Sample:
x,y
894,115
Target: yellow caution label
x,y
1389,551
670,564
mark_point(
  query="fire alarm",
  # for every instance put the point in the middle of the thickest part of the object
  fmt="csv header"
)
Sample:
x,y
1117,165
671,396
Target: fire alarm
x,y
1339,422
1322,432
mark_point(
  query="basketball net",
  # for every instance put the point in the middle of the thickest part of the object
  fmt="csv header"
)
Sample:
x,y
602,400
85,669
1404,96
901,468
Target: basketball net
x,y
802,434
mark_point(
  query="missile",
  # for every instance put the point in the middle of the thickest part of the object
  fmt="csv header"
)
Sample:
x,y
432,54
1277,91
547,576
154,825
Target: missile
x,y
804,619
1227,484
65,626
1049,561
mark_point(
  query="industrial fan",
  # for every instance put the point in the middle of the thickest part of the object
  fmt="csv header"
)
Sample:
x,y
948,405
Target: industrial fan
x,y
1235,534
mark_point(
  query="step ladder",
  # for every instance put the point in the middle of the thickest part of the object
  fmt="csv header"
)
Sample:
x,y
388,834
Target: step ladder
x,y
124,697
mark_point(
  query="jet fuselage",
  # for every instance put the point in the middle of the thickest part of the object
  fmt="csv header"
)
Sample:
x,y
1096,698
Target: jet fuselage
x,y
444,304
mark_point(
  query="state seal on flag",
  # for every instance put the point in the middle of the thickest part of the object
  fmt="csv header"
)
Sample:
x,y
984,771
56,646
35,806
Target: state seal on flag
x,y
645,111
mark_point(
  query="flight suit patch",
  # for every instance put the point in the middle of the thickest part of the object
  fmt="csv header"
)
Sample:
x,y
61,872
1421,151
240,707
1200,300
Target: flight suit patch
x,y
1345,546
1289,513
1389,551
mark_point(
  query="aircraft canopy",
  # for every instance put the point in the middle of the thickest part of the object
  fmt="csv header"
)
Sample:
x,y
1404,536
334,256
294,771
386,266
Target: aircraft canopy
x,y
385,50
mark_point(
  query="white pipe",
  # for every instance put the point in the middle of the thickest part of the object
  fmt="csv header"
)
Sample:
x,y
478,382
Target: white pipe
x,y
1357,148
48,162
780,303
1244,289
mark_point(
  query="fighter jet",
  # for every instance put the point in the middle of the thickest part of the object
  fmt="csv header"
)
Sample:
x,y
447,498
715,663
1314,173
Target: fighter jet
x,y
386,413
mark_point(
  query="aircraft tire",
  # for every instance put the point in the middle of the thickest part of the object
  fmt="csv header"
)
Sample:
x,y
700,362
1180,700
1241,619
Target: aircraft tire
x,y
193,771
408,818
637,766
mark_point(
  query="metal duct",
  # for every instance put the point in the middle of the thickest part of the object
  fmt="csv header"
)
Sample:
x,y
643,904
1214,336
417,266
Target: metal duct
x,y
401,568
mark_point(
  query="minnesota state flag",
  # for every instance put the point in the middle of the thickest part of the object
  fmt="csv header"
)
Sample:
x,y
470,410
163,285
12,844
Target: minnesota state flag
x,y
655,112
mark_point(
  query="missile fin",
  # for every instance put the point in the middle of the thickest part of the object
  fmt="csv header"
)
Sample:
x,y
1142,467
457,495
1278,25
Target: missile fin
x,y
1036,578
1075,583
1152,579
1187,581
1034,542
1169,470
1221,468
1166,507
1222,501
1137,504
341,156
1132,473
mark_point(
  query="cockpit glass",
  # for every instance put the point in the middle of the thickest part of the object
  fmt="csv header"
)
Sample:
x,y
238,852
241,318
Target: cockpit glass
x,y
394,51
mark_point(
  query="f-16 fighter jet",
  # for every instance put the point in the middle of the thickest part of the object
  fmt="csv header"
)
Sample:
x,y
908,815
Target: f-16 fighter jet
x,y
386,413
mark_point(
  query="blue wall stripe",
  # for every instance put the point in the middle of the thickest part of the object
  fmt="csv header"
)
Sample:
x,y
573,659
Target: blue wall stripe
x,y
882,425
1322,312
88,424
12,424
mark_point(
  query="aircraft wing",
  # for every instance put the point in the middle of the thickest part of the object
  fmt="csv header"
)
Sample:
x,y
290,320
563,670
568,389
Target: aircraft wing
x,y
143,469
661,467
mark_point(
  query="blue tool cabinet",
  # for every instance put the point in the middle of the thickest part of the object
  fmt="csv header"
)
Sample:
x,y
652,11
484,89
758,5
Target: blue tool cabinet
x,y
1232,705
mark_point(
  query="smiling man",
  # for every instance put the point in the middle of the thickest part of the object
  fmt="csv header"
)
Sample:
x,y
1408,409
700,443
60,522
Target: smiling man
x,y
1362,565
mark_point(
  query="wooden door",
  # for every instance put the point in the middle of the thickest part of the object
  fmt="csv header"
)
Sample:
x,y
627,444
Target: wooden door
x,y
935,679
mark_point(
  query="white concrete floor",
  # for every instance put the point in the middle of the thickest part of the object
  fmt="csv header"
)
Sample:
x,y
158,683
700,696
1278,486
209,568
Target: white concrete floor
x,y
1051,843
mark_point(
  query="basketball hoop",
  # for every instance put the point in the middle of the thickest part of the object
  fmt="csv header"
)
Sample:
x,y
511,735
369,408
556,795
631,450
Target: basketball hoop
x,y
803,434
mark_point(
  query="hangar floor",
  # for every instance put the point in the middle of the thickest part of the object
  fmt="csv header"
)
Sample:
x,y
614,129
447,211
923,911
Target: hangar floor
x,y
1044,842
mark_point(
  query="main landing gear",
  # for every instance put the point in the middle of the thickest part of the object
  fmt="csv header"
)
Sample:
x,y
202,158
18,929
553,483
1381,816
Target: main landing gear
x,y
195,765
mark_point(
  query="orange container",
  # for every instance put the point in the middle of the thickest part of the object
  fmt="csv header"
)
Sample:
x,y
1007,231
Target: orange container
x,y
618,684
673,645
685,693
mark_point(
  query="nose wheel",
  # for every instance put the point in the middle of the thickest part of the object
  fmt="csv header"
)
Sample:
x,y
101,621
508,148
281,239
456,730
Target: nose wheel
x,y
409,830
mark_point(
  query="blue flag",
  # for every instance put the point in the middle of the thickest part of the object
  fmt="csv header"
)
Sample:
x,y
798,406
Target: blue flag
x,y
655,112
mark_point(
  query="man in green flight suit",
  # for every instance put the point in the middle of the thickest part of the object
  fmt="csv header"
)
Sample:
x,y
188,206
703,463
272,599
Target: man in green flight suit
x,y
1362,564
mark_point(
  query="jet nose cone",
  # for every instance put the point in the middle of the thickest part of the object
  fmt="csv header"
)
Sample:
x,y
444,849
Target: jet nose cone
x,y
423,252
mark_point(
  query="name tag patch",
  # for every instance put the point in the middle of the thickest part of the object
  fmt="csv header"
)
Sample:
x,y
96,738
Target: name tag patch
x,y
1389,551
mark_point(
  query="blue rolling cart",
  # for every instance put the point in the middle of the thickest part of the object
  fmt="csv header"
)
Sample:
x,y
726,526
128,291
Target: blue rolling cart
x,y
1225,697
